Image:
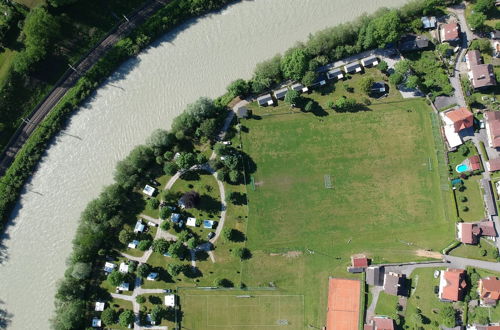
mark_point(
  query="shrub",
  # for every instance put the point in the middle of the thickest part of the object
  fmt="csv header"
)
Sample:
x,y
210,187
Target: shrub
x,y
115,278
140,299
165,225
292,97
144,244
383,66
127,317
109,316
153,203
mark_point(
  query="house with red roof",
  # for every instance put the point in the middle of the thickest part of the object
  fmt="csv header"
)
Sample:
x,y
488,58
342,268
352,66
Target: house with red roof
x,y
380,323
359,262
474,163
489,290
450,32
456,122
470,232
452,285
492,121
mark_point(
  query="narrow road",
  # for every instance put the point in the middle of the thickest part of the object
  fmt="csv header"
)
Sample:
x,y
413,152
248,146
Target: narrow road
x,y
69,80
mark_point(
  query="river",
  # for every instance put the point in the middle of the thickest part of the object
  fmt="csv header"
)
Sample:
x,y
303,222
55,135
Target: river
x,y
198,59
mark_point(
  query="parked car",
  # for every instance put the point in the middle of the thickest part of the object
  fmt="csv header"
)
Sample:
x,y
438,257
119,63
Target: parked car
x,y
211,235
226,142
150,223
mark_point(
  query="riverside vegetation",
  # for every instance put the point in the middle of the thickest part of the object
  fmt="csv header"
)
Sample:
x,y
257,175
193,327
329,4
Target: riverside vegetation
x,y
104,217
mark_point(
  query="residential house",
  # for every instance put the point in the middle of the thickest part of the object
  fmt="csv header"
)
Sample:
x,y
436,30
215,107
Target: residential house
x,y
474,163
148,190
470,232
265,100
395,284
492,119
358,263
481,75
495,35
429,22
133,244
99,306
452,284
123,287
489,290
299,88
170,300
96,322
280,94
473,57
379,87
139,227
457,122
241,112
493,165
450,32
412,42
352,67
191,222
152,276
336,73
380,323
375,275
109,267
123,268
369,61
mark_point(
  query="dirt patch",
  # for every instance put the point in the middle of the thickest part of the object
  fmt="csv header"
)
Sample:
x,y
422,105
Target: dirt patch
x,y
259,183
289,254
429,254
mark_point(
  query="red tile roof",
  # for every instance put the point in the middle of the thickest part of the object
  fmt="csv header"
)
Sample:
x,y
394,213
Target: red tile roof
x,y
359,262
451,31
383,323
462,118
493,123
475,162
473,57
487,228
490,288
469,232
494,164
343,304
455,284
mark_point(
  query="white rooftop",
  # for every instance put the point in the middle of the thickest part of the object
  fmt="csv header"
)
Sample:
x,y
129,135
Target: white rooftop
x,y
139,227
152,276
96,323
170,300
148,190
123,287
109,266
99,306
133,244
123,268
191,222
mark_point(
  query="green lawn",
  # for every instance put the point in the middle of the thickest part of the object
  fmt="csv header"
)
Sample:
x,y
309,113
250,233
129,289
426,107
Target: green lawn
x,y
474,251
229,310
31,3
386,305
6,58
385,202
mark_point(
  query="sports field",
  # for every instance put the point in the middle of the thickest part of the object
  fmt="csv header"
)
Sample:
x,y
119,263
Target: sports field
x,y
385,201
244,310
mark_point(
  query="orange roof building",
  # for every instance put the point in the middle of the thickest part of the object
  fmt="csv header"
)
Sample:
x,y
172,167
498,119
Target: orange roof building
x,y
450,32
475,163
343,304
461,118
492,119
452,284
489,290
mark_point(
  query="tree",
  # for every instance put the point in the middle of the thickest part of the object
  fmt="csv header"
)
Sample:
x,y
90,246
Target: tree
x,y
153,203
109,316
60,3
160,245
447,316
309,78
140,299
177,250
292,97
294,63
174,269
223,282
344,104
157,313
483,45
383,66
126,318
396,78
228,234
144,244
115,278
231,162
186,160
266,74
170,168
402,67
476,20
81,270
192,243
161,140
234,176
190,199
484,6
165,212
366,84
70,315
241,252
208,129
384,29
444,49
165,225
143,270
183,236
309,106
238,87
412,81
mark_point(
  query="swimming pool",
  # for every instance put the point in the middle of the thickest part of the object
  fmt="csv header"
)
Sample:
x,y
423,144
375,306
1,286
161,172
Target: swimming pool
x,y
462,168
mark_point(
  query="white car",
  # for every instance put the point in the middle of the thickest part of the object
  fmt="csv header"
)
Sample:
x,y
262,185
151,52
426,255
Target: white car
x,y
226,142
152,224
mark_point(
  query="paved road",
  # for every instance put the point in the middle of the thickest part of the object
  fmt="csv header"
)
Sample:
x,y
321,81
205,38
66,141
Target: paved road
x,y
68,81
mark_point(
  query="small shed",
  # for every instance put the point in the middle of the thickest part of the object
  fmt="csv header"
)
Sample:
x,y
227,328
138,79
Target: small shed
x,y
208,224
152,276
96,322
99,306
109,267
352,67
336,73
429,22
133,244
139,227
369,61
265,100
378,87
123,268
280,93
170,300
148,190
191,222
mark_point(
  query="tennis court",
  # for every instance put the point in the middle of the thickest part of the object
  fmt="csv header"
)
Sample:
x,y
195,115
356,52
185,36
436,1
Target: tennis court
x,y
343,304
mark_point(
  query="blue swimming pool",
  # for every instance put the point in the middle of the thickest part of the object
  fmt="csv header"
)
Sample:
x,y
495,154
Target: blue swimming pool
x,y
462,168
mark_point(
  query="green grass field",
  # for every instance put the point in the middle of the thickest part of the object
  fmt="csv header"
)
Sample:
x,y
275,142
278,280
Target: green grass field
x,y
225,310
385,202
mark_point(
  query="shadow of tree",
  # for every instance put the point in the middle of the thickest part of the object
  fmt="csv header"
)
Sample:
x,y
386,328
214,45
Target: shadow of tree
x,y
5,317
209,204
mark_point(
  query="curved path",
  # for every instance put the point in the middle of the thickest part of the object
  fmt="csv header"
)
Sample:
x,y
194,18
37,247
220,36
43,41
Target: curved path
x,y
69,79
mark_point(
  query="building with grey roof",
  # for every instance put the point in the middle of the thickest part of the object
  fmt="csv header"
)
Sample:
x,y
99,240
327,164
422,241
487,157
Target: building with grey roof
x,y
265,99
